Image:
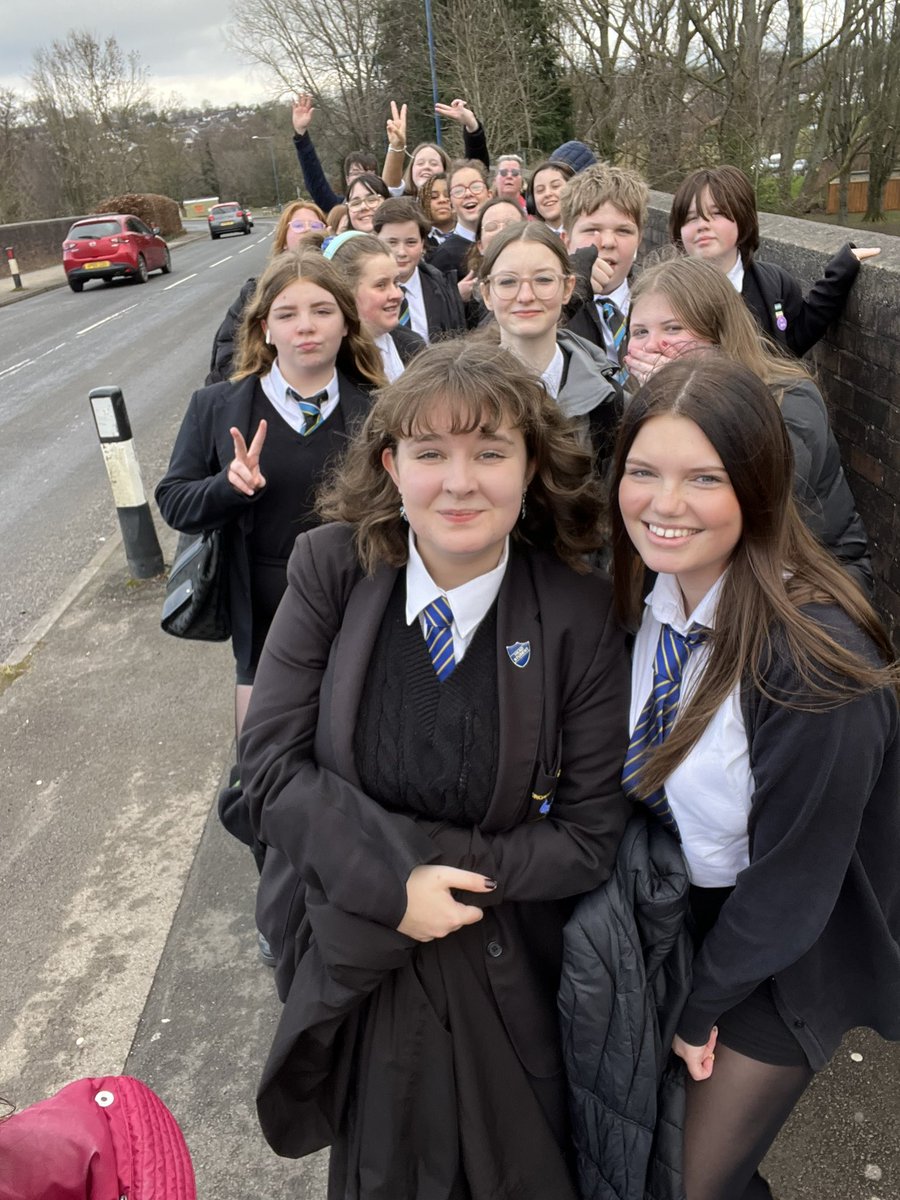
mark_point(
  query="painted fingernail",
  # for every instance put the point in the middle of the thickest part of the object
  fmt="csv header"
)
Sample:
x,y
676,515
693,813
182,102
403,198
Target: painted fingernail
x,y
490,884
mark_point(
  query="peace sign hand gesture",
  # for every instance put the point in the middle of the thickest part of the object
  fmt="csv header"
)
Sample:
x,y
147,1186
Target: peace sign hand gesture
x,y
243,471
396,127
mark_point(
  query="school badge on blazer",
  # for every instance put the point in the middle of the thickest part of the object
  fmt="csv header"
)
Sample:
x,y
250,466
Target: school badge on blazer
x,y
519,653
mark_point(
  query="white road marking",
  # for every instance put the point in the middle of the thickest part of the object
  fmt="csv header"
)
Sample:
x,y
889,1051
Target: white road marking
x,y
227,258
51,350
15,367
178,282
246,248
112,317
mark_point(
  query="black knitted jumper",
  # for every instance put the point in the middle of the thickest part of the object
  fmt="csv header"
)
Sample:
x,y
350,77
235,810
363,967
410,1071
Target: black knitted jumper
x,y
422,746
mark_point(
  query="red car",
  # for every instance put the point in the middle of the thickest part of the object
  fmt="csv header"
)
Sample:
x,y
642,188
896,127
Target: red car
x,y
113,244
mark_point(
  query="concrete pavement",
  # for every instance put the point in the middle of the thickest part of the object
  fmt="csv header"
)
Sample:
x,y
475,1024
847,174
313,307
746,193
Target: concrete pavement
x,y
33,283
128,942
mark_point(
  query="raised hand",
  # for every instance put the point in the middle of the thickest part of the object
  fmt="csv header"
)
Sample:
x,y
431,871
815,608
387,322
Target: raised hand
x,y
396,127
458,111
302,112
244,474
431,911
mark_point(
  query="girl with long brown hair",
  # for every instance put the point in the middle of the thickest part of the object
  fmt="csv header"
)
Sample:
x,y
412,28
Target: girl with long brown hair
x,y
251,451
764,725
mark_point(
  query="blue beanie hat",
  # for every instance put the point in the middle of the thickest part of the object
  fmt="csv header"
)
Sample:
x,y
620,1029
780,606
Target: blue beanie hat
x,y
576,154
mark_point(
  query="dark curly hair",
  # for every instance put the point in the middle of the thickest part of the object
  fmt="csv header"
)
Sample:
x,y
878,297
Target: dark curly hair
x,y
476,385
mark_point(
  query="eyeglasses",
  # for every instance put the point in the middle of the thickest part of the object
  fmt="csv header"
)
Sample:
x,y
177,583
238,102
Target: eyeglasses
x,y
496,226
545,284
476,188
370,201
305,226
513,171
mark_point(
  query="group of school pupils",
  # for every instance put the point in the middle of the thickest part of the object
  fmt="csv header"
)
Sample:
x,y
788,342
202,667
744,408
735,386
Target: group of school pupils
x,y
568,735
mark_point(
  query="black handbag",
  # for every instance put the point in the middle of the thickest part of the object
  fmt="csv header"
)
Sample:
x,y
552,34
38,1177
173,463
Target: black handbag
x,y
196,603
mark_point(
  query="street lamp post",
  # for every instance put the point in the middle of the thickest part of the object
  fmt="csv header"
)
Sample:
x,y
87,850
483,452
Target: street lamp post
x,y
259,137
431,63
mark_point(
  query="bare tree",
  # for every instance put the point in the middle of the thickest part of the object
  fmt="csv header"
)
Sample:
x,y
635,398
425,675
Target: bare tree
x,y
88,97
671,85
329,50
881,85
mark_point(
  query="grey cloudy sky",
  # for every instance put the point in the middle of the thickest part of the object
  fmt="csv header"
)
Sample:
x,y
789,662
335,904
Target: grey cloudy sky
x,y
180,42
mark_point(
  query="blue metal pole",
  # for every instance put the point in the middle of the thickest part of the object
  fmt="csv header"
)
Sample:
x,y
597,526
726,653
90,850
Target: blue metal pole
x,y
434,87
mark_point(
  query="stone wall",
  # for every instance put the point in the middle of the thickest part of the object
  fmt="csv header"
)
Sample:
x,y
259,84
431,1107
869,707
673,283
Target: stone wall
x,y
857,366
37,244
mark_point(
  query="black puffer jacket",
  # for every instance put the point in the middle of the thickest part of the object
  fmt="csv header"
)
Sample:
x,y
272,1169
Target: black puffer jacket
x,y
625,977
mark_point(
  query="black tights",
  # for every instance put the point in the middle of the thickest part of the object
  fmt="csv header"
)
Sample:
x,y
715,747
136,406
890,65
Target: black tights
x,y
731,1120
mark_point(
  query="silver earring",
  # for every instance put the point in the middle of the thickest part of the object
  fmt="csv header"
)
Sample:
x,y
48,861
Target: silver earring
x,y
524,494
268,338
403,513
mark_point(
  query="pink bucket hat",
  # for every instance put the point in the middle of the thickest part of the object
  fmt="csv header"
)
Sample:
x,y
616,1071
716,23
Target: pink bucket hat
x,y
96,1139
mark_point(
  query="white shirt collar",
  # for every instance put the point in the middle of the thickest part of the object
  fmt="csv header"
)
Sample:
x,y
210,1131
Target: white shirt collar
x,y
413,285
667,604
552,377
469,603
390,356
468,234
736,274
274,385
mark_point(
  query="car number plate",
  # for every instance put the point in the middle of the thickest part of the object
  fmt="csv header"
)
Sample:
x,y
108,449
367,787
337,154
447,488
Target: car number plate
x,y
96,266
228,222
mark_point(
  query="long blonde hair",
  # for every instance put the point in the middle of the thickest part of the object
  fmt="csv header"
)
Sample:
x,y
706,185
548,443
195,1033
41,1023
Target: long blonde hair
x,y
358,358
707,304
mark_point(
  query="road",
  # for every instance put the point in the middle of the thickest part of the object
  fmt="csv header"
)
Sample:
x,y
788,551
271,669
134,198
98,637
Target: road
x,y
154,342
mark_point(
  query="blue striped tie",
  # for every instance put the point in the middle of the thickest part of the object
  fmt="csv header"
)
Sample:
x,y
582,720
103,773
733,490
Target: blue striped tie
x,y
439,638
658,715
615,323
405,315
311,408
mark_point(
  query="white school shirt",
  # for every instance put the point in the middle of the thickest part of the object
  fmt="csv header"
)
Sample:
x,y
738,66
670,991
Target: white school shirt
x,y
552,376
710,791
621,297
390,357
468,603
274,385
468,234
736,274
418,321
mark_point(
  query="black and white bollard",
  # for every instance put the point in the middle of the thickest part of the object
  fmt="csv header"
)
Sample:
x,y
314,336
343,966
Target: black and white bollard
x,y
142,547
14,268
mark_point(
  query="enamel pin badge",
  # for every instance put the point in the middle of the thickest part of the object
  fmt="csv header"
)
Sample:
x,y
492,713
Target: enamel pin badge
x,y
780,318
519,653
